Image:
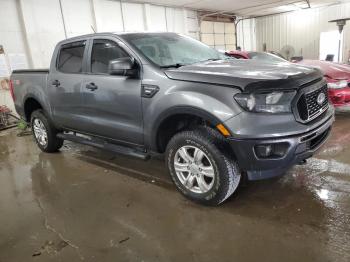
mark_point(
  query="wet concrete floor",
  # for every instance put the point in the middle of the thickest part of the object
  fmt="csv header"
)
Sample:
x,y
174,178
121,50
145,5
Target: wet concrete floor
x,y
83,204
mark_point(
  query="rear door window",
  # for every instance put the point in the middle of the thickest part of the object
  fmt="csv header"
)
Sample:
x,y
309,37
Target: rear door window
x,y
103,52
70,58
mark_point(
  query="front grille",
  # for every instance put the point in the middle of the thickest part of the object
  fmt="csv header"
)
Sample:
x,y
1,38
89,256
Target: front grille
x,y
308,106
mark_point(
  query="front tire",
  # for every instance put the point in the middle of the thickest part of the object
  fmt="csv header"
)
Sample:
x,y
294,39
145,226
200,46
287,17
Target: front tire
x,y
44,132
200,170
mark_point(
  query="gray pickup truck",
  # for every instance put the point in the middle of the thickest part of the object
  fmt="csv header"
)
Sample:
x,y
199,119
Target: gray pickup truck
x,y
213,117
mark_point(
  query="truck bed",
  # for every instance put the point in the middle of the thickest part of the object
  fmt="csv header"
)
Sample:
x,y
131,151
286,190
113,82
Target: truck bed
x,y
29,82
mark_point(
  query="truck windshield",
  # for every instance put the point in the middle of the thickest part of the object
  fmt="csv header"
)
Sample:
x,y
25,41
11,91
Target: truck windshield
x,y
172,50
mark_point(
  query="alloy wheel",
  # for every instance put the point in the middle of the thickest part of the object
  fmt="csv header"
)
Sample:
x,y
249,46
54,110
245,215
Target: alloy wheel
x,y
40,132
194,169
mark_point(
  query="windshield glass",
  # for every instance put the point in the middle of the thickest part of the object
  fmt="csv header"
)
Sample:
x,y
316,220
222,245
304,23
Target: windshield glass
x,y
266,57
168,49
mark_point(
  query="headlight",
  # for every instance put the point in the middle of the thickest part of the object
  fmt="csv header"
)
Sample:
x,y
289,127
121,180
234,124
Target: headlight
x,y
338,85
275,102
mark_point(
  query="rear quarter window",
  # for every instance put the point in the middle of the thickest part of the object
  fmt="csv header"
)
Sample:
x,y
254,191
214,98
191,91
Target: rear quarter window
x,y
70,59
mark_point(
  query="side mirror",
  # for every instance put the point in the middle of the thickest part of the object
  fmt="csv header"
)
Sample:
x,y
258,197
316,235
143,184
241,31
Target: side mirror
x,y
122,67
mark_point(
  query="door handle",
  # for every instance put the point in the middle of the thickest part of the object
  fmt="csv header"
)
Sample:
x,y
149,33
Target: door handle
x,y
56,83
91,86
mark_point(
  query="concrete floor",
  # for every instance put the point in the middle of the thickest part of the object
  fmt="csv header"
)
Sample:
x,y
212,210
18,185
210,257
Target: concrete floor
x,y
85,204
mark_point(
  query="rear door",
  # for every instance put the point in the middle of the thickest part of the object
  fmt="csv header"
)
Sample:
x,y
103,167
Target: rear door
x,y
112,108
65,84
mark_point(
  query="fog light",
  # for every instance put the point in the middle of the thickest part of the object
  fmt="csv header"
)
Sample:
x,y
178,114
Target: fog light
x,y
263,151
275,150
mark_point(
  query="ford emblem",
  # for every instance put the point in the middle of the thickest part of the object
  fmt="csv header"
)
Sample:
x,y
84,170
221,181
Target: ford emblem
x,y
321,98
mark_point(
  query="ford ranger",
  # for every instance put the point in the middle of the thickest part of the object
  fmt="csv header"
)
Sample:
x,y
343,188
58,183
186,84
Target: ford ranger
x,y
214,118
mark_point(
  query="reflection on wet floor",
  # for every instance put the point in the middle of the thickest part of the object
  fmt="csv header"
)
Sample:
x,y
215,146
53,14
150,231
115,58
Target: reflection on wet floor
x,y
87,204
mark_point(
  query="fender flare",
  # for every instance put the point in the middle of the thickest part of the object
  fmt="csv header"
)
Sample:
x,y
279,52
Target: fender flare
x,y
177,110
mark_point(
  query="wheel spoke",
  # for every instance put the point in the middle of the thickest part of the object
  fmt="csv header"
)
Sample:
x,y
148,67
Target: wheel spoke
x,y
36,131
40,132
181,167
189,181
184,155
198,155
202,184
207,171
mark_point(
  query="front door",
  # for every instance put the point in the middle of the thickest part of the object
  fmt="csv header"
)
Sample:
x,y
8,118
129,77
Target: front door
x,y
65,85
112,104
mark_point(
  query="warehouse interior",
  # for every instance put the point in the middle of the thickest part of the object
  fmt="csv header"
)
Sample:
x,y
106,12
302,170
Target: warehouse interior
x,y
89,204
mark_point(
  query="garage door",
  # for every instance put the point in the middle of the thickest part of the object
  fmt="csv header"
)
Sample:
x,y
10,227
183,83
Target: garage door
x,y
219,35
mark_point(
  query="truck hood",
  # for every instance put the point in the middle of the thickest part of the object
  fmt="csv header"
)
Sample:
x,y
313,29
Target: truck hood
x,y
331,70
247,75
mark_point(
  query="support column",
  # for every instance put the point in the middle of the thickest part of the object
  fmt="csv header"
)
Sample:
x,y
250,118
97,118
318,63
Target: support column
x,y
93,5
146,16
24,33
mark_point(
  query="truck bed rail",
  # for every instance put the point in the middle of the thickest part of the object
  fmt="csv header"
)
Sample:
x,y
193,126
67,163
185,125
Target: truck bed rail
x,y
30,71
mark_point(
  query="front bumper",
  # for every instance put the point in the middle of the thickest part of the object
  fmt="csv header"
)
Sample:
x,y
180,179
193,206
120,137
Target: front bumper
x,y
298,148
339,97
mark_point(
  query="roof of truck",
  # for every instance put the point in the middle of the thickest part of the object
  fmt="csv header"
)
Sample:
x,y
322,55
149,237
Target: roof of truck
x,y
114,33
82,37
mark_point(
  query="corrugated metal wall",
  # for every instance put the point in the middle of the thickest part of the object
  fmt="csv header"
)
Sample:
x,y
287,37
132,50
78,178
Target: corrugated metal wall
x,y
301,29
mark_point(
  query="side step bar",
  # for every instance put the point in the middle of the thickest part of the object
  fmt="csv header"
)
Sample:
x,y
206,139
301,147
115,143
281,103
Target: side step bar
x,y
99,143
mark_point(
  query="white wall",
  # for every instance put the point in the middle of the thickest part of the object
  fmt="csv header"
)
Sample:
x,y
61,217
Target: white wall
x,y
176,20
133,16
78,17
43,28
108,16
191,23
11,32
246,34
155,18
32,28
301,29
44,24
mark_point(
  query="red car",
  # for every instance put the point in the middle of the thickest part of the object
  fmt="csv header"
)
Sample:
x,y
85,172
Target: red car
x,y
337,75
338,79
256,55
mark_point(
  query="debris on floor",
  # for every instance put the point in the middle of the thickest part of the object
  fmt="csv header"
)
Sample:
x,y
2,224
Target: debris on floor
x,y
51,247
7,119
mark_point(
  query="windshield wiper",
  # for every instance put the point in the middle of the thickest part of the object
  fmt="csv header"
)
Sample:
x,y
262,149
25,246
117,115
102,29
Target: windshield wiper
x,y
177,65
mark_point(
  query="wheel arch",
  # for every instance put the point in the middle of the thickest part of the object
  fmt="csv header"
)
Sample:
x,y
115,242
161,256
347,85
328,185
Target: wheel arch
x,y
178,113
31,103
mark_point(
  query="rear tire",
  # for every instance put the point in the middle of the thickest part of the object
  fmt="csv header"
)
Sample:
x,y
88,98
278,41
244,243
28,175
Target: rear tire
x,y
209,181
44,132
